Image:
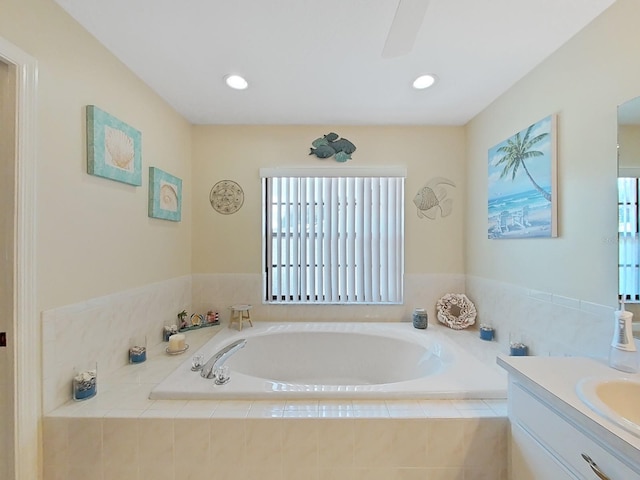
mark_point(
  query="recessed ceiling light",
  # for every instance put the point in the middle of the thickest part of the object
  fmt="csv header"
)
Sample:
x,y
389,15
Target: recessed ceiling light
x,y
424,81
236,82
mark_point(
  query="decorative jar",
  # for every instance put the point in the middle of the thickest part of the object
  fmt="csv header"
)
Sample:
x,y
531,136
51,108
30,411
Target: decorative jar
x,y
420,318
85,381
486,332
138,349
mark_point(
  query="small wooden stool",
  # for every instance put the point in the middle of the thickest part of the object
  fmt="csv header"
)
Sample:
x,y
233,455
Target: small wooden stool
x,y
239,313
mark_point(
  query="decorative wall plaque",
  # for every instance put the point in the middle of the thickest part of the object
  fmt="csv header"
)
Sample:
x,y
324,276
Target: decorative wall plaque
x,y
226,197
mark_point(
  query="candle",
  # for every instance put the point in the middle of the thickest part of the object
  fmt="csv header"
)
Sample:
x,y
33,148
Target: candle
x,y
84,383
176,342
137,354
486,332
137,349
519,350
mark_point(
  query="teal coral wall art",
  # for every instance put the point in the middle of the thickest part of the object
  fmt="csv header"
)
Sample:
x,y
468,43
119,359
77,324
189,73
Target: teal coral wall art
x,y
165,195
331,145
114,149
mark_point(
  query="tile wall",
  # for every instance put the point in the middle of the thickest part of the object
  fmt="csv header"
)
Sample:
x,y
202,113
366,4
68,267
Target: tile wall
x,y
219,291
99,330
289,444
551,324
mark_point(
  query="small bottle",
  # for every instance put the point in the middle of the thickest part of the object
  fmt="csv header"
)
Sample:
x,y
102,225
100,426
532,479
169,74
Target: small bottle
x,y
623,355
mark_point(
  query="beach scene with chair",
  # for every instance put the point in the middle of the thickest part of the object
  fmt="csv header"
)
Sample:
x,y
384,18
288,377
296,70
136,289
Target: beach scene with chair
x,y
521,184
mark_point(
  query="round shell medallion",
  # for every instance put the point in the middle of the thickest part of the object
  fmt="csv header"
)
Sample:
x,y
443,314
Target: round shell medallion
x,y
226,197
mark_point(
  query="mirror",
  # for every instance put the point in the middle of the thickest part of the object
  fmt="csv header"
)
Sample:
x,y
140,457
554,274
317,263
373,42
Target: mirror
x,y
628,206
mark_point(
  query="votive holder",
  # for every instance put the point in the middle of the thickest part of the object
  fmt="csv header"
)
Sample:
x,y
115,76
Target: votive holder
x,y
518,345
137,349
519,350
169,330
486,332
420,318
85,381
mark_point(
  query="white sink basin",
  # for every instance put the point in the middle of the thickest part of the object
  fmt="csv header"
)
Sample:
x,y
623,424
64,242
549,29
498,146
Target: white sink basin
x,y
616,399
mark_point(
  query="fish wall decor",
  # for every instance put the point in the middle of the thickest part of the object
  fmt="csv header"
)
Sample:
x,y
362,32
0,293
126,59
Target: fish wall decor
x,y
331,145
432,198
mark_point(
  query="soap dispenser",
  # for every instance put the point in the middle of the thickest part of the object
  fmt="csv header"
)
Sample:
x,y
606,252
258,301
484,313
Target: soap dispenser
x,y
623,355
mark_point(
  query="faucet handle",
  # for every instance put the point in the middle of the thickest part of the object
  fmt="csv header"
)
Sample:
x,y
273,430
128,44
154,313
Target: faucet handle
x,y
197,362
221,375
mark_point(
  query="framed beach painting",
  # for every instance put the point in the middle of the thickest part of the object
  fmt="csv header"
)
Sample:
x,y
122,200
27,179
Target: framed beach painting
x,y
522,186
165,195
114,149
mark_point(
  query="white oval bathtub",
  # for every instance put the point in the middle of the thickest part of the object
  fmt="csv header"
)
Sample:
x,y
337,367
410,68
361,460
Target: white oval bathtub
x,y
317,360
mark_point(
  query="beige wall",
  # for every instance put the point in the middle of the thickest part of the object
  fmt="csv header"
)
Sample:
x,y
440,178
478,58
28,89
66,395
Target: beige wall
x,y
232,243
94,236
583,83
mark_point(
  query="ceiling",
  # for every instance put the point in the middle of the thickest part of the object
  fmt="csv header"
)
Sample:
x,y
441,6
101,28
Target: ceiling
x,y
320,61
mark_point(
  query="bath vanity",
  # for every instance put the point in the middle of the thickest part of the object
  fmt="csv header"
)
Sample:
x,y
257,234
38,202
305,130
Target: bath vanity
x,y
555,434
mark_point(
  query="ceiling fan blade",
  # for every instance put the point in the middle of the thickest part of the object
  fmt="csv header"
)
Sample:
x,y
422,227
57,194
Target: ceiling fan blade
x,y
404,29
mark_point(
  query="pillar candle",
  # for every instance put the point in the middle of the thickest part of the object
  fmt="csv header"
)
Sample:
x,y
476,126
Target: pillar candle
x,y
176,342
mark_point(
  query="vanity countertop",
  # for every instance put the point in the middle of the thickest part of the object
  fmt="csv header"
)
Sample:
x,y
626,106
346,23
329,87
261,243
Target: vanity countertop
x,y
554,379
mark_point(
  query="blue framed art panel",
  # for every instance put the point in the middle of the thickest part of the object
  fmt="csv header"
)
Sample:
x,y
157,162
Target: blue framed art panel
x,y
165,195
114,149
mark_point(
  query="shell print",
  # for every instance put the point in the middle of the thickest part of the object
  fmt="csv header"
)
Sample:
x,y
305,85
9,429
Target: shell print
x,y
168,197
119,147
433,198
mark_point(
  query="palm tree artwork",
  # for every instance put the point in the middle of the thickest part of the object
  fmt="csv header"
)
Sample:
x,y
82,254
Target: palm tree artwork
x,y
516,151
521,186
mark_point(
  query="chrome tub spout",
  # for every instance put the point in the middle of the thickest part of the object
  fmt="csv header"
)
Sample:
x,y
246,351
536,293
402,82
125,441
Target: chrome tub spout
x,y
212,369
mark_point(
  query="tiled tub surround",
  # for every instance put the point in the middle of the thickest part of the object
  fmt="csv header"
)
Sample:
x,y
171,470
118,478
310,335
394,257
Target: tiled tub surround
x,y
552,325
295,442
121,434
99,330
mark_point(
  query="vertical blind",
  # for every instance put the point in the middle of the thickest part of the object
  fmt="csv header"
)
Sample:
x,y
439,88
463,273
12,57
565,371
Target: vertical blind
x,y
628,245
334,239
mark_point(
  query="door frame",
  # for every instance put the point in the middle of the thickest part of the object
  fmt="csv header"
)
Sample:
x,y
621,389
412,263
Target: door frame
x,y
27,370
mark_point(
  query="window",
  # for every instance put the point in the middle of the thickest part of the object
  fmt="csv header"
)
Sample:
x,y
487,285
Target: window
x,y
628,246
333,238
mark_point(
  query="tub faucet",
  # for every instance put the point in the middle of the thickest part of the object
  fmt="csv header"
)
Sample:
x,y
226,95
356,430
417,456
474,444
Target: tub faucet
x,y
213,367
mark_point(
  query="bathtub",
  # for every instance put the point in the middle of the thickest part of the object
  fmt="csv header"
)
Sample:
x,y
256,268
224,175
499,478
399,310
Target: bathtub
x,y
338,360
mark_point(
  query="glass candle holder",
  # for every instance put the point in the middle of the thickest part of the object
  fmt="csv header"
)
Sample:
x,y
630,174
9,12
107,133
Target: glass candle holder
x,y
486,332
420,318
85,381
518,345
137,349
168,330
519,350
